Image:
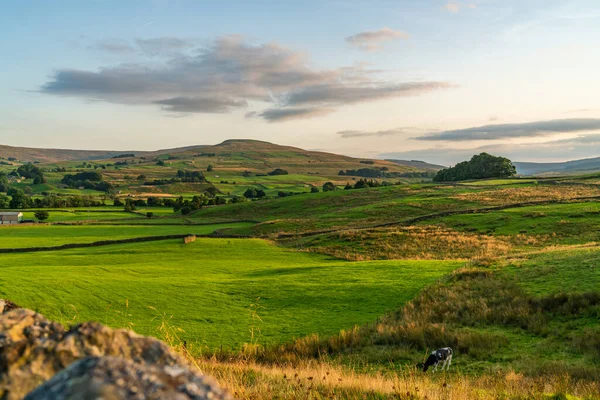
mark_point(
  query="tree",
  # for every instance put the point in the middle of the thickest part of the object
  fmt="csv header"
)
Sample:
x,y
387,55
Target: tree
x,y
18,200
41,215
30,171
481,166
278,171
209,168
149,214
329,187
314,189
160,163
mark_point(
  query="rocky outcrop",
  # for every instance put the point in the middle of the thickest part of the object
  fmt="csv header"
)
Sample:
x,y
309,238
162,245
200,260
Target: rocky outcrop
x,y
91,361
6,306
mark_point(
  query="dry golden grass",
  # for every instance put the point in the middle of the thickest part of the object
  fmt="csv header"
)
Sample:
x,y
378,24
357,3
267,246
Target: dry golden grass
x,y
416,243
321,380
528,193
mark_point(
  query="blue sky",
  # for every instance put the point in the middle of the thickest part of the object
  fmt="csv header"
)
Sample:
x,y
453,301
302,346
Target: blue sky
x,y
435,80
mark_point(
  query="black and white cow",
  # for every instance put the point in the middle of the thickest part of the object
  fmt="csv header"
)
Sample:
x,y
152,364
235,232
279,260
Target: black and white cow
x,y
444,355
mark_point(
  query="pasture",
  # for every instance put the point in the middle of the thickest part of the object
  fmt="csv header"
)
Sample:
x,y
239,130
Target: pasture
x,y
55,235
219,291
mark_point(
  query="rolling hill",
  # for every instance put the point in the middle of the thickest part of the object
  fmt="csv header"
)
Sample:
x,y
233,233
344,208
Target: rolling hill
x,y
568,167
232,167
30,154
422,165
234,154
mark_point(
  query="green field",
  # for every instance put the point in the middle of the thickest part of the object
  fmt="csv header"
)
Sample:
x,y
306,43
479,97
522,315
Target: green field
x,y
84,215
216,290
54,235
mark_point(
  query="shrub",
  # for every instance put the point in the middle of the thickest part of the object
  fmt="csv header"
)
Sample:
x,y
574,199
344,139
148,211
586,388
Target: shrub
x,y
278,171
41,215
329,187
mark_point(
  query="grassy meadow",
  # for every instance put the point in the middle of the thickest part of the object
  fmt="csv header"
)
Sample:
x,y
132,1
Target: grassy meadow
x,y
334,294
55,235
219,291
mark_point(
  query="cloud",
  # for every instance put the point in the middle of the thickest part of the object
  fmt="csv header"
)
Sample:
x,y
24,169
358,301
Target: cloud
x,y
115,46
374,40
228,75
286,114
201,105
455,7
347,94
152,47
504,131
163,45
452,7
349,134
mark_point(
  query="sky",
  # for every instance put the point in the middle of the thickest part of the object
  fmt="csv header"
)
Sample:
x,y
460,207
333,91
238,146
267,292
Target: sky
x,y
433,80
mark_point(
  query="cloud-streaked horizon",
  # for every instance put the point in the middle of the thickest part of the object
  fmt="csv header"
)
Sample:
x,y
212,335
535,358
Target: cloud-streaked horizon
x,y
231,74
374,40
579,147
515,130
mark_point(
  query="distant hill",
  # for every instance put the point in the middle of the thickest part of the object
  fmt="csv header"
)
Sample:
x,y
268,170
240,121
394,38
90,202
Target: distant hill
x,y
234,154
422,165
54,155
568,167
29,154
240,154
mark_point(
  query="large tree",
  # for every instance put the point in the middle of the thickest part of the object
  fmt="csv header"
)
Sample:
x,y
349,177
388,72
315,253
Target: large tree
x,y
30,171
480,166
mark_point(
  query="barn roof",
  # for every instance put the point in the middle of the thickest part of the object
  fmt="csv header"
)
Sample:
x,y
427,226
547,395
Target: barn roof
x,y
11,213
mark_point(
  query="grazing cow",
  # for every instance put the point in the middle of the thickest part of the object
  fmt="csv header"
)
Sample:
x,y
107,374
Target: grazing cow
x,y
444,355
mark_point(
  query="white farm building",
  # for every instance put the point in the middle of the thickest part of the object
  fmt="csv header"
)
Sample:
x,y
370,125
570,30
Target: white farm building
x,y
10,217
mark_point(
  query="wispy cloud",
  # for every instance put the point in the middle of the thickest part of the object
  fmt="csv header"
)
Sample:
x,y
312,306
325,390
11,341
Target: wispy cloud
x,y
159,46
581,146
504,131
452,7
207,105
374,40
285,114
115,46
228,75
163,45
349,134
455,7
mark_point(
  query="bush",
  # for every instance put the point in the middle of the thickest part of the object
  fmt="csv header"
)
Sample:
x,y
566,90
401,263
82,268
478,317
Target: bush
x,y
278,171
41,215
329,187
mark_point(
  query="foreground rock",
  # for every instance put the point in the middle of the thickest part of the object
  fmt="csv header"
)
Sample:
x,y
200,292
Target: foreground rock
x,y
91,361
6,306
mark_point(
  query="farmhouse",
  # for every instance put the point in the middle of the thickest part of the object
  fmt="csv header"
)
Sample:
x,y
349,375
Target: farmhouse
x,y
13,217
